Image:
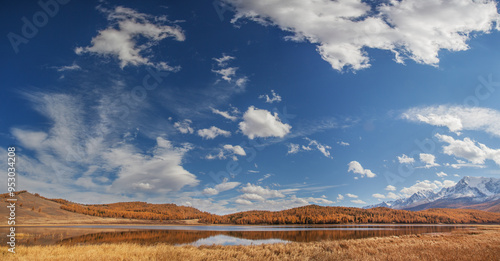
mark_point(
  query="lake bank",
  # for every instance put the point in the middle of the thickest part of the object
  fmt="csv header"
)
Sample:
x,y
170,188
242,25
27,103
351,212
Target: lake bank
x,y
480,244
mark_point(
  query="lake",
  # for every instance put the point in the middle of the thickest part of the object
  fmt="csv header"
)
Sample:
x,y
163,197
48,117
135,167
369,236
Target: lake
x,y
210,235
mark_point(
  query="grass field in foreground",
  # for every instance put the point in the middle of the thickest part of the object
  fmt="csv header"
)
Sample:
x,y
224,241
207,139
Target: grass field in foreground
x,y
482,243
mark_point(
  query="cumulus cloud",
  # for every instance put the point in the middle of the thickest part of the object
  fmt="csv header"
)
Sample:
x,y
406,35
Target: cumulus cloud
x,y
341,143
260,191
237,149
243,201
263,124
474,152
426,185
378,195
355,167
340,197
127,28
358,201
342,30
213,132
391,195
390,188
429,160
351,195
228,150
457,118
405,159
161,172
184,126
441,174
274,97
224,186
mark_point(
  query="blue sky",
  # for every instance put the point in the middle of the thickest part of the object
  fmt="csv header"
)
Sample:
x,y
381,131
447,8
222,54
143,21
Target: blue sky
x,y
238,105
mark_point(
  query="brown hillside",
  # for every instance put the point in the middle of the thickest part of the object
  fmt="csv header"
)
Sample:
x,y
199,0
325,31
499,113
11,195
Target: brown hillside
x,y
32,209
314,214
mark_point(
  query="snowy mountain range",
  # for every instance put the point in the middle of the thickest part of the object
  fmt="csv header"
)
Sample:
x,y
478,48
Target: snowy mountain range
x,y
470,192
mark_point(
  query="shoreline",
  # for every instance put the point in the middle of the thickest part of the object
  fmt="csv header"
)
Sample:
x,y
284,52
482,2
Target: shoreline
x,y
236,225
480,244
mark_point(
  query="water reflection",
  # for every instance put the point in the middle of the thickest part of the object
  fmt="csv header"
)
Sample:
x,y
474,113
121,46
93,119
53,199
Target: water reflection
x,y
233,241
208,235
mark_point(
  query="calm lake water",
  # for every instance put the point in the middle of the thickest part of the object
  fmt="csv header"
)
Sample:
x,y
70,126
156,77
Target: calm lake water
x,y
210,235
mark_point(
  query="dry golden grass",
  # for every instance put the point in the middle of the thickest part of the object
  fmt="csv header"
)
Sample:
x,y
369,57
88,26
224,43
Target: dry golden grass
x,y
480,244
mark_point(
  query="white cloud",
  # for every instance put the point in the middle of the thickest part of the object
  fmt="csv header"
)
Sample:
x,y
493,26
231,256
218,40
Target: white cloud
x,y
457,118
255,202
293,148
274,97
228,150
261,123
429,160
426,185
127,27
184,126
322,148
224,186
243,202
226,114
390,188
351,195
464,165
340,198
226,73
210,191
84,149
213,132
222,62
456,175
467,149
441,174
341,143
391,195
378,195
252,196
342,30
358,201
161,172
241,82
73,67
264,177
355,167
405,159
263,192
237,149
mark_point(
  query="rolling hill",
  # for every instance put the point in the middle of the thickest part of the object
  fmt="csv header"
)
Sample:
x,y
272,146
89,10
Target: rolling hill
x,y
34,209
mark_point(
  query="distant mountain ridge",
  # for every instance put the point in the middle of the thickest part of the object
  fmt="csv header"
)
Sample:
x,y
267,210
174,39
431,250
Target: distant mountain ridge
x,y
470,192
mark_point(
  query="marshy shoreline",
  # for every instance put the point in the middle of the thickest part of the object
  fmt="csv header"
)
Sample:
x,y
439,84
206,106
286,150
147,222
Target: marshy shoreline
x,y
480,243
